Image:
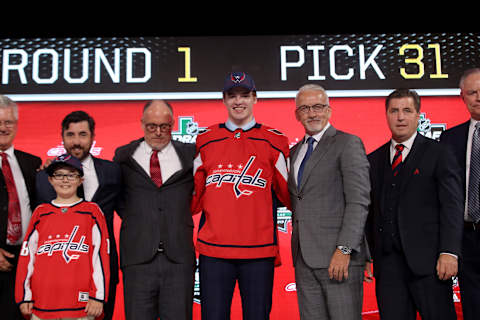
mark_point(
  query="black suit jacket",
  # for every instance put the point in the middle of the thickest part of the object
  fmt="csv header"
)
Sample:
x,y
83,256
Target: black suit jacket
x,y
456,138
153,216
430,207
109,185
28,164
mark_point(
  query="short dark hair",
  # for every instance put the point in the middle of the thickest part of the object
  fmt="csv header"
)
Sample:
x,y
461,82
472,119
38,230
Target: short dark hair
x,y
78,116
404,93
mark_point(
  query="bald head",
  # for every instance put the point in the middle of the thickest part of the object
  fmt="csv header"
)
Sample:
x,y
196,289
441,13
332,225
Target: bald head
x,y
157,122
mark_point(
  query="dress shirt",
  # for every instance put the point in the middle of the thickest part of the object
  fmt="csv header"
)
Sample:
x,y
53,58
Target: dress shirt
x,y
90,179
168,158
22,192
303,150
471,129
407,144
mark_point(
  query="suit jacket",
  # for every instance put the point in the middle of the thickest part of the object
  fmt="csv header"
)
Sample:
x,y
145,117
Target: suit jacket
x,y
106,196
28,165
331,205
457,138
156,216
430,207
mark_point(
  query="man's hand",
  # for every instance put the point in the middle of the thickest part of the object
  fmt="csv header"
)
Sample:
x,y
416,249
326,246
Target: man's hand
x,y
338,268
26,309
45,164
94,308
368,275
5,266
447,266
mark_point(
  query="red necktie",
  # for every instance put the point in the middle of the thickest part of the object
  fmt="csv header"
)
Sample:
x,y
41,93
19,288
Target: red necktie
x,y
14,227
155,172
397,158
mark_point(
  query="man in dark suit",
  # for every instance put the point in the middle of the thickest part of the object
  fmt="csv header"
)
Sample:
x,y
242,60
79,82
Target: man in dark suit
x,y
17,199
330,193
415,225
102,181
157,256
463,140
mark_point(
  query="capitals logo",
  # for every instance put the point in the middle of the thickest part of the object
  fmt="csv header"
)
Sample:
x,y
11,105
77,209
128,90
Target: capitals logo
x,y
67,247
239,178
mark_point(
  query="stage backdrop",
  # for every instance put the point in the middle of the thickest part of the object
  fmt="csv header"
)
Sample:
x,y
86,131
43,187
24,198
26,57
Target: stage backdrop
x,y
118,123
111,78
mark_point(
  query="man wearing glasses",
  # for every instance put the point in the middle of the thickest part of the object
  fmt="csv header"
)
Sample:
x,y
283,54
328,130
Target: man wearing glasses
x,y
17,194
329,190
157,256
101,184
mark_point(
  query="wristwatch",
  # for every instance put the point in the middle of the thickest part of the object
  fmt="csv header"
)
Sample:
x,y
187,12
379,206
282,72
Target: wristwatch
x,y
345,249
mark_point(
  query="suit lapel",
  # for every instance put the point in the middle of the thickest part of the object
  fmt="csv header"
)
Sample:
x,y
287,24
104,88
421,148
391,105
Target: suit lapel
x,y
100,176
317,154
183,160
413,159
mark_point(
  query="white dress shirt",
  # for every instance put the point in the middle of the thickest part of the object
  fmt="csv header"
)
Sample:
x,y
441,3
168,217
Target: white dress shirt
x,y
168,158
22,192
90,179
303,150
407,144
471,129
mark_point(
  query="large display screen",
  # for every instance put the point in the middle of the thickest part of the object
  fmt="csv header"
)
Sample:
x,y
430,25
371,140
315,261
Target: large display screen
x,y
112,79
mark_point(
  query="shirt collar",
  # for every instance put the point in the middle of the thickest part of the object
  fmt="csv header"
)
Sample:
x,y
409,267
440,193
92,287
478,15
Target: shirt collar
x,y
148,150
87,162
473,122
407,143
9,151
317,136
232,126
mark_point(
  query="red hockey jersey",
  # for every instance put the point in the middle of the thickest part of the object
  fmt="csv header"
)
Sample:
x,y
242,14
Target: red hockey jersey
x,y
235,174
64,260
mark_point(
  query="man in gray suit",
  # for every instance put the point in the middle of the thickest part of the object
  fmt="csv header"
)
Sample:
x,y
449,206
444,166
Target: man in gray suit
x,y
329,188
157,256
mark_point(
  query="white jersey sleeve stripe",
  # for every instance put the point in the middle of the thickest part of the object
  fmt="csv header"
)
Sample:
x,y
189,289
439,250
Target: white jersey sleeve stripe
x,y
281,166
97,274
197,163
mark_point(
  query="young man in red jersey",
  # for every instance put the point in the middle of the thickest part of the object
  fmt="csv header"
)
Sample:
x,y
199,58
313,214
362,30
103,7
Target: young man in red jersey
x,y
239,168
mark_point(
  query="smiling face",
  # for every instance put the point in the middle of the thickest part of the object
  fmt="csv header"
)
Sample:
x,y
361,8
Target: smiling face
x,y
78,139
239,102
402,118
313,121
8,127
65,181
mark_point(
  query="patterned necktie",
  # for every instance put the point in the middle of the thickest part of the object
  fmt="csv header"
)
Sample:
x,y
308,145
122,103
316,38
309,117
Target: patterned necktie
x,y
155,172
14,226
474,179
397,158
310,142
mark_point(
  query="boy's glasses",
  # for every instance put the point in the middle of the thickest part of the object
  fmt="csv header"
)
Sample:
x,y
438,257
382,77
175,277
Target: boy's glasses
x,y
69,176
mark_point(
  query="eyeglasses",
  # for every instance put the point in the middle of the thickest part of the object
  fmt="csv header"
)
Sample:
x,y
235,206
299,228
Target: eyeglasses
x,y
8,123
315,108
69,176
152,127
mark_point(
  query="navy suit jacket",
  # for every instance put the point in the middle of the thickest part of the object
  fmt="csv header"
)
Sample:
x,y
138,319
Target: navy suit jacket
x,y
109,177
430,207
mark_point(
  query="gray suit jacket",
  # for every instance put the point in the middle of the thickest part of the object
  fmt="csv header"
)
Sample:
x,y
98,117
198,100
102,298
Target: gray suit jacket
x,y
331,205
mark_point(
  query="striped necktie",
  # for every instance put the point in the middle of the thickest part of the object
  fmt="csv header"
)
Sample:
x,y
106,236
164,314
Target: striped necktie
x,y
310,142
397,159
473,204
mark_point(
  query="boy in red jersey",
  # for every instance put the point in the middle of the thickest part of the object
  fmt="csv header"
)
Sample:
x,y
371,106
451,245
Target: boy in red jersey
x,y
63,269
238,167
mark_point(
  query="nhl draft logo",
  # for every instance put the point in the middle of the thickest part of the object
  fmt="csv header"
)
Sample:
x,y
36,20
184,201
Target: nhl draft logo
x,y
427,129
284,218
65,245
187,130
238,177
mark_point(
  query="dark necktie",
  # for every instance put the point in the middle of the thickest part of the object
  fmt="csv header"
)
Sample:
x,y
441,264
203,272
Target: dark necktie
x,y
397,158
473,205
155,172
14,226
310,142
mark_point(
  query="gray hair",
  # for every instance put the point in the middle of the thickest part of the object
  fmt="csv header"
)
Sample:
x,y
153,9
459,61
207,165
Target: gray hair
x,y
466,74
6,102
312,87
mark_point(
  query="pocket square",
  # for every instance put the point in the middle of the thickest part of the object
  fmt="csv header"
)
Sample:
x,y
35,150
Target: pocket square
x,y
416,172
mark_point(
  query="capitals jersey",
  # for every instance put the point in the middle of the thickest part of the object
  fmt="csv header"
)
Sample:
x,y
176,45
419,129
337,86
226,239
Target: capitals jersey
x,y
235,175
64,260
